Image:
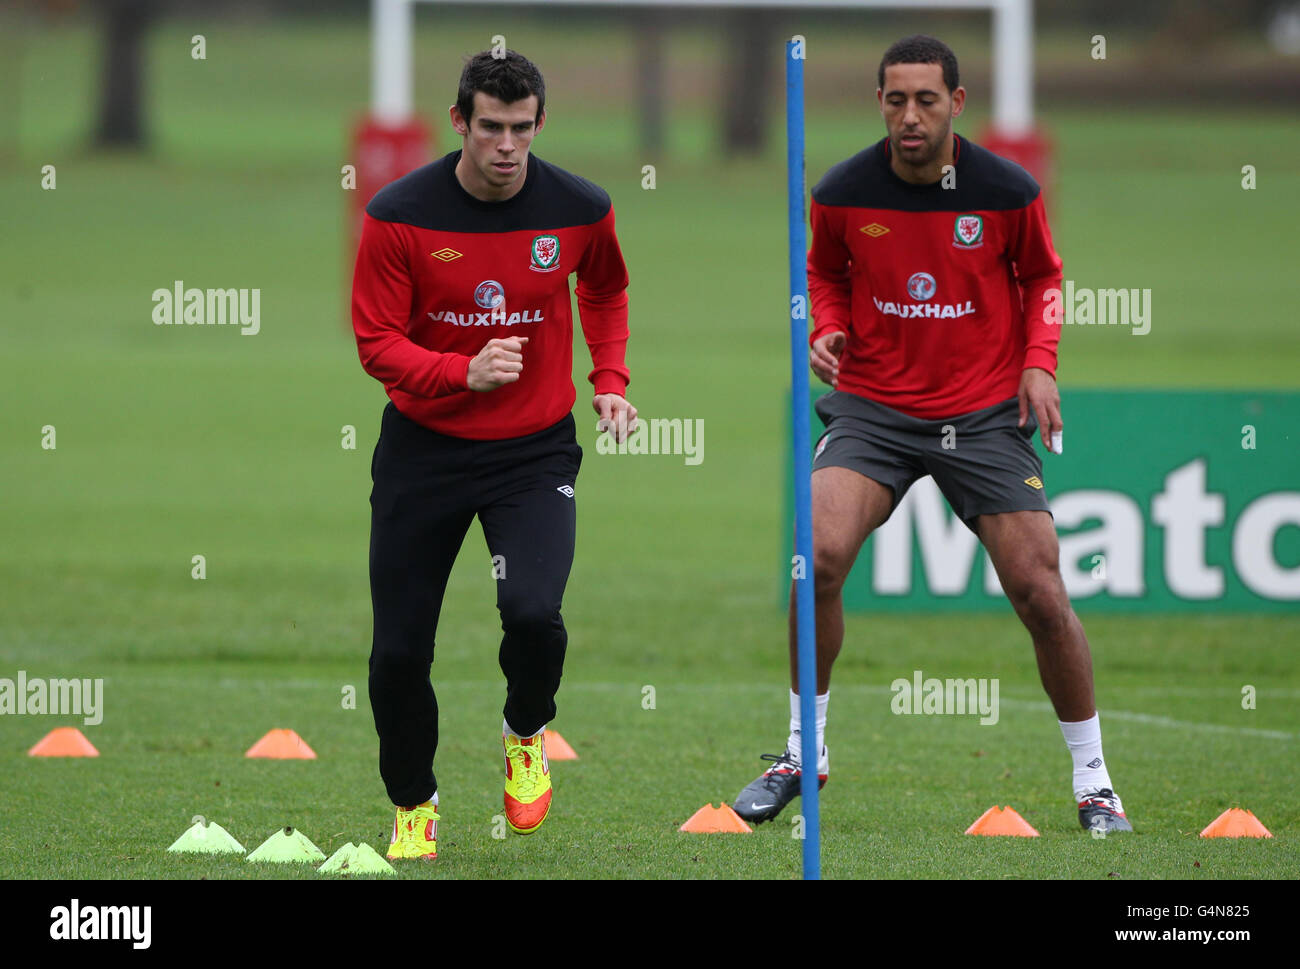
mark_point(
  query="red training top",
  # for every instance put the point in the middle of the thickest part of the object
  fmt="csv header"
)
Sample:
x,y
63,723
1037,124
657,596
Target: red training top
x,y
440,272
928,282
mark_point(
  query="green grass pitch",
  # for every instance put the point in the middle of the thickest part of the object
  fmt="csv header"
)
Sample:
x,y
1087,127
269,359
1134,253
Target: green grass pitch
x,y
174,442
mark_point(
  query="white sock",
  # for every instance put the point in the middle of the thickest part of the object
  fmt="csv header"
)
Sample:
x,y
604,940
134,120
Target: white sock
x,y
506,728
795,744
1084,740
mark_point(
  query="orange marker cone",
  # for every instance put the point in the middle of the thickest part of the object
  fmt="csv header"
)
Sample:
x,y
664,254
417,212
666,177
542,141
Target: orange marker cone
x,y
281,745
999,821
1236,823
557,748
716,820
64,742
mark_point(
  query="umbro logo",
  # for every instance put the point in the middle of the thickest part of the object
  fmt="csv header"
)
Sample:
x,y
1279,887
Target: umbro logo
x,y
1094,763
1035,482
446,254
565,490
874,229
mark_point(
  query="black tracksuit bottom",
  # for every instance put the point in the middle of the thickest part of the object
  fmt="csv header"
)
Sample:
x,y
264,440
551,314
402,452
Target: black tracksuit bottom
x,y
427,489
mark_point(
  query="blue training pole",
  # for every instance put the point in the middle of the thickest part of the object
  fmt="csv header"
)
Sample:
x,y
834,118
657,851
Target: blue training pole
x,y
807,630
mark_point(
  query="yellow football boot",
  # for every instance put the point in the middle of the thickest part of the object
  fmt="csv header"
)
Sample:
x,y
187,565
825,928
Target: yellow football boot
x,y
528,783
415,832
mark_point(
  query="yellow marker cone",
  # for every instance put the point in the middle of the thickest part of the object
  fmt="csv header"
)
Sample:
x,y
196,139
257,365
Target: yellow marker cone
x,y
211,839
356,860
287,845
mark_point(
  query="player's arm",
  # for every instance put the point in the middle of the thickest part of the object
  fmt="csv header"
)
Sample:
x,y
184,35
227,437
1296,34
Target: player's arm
x,y
381,309
830,292
1038,272
602,309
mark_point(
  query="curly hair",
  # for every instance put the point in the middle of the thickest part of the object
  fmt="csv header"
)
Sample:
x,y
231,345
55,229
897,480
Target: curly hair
x,y
920,49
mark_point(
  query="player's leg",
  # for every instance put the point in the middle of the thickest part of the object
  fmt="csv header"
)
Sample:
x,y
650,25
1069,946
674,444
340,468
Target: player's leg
x,y
846,507
419,517
1025,552
859,476
992,476
529,519
531,537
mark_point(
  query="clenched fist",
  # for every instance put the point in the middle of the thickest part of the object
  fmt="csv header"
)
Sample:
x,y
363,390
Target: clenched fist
x,y
499,362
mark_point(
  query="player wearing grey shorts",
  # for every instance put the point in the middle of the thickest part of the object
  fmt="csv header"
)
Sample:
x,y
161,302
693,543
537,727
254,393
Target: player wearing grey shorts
x,y
982,462
930,267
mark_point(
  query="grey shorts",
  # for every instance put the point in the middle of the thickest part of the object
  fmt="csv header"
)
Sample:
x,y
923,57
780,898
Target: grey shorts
x,y
981,461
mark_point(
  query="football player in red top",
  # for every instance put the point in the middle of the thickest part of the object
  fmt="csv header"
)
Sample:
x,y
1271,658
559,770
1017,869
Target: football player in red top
x,y
930,261
461,308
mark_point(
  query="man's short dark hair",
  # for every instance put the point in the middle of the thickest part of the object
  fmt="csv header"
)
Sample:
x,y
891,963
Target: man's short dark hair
x,y
511,78
920,49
